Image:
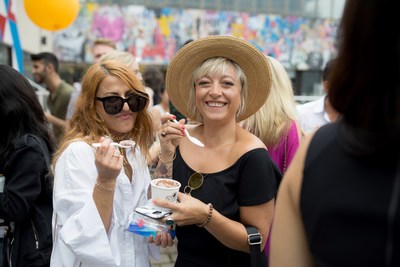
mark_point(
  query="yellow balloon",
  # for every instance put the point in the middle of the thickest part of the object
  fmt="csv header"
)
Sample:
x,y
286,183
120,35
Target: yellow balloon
x,y
52,15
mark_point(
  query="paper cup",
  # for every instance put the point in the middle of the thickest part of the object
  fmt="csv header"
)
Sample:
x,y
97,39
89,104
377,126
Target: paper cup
x,y
165,189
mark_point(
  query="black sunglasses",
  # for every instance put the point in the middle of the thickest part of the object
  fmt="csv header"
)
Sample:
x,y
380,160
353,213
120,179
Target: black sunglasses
x,y
114,104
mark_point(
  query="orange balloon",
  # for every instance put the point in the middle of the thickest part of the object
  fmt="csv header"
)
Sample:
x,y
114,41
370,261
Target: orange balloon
x,y
52,15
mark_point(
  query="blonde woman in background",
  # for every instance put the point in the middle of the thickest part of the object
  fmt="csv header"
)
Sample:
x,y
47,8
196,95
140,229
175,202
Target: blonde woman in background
x,y
275,123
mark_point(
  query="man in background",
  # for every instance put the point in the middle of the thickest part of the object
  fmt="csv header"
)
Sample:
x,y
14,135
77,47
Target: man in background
x,y
45,71
317,113
101,46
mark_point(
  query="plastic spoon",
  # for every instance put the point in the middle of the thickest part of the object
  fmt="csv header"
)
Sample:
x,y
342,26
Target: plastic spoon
x,y
122,144
191,138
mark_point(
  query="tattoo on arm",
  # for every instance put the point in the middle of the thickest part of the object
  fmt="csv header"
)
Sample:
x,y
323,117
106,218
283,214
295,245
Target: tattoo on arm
x,y
163,170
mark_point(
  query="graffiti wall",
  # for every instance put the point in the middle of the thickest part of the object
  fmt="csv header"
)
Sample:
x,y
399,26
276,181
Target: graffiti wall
x,y
154,35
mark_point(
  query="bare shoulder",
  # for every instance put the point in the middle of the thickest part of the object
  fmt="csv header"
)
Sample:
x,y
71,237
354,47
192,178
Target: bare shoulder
x,y
289,246
300,132
246,142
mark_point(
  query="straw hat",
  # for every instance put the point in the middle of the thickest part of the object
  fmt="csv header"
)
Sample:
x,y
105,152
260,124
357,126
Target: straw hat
x,y
253,63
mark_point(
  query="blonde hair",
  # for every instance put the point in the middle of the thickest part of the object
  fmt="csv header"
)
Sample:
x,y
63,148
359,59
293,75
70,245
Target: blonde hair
x,y
216,66
121,56
272,121
87,125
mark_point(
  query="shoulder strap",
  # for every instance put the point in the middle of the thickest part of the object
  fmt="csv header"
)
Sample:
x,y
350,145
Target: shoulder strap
x,y
285,154
254,239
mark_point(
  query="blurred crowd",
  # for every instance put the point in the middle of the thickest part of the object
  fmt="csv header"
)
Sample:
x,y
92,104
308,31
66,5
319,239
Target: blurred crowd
x,y
265,181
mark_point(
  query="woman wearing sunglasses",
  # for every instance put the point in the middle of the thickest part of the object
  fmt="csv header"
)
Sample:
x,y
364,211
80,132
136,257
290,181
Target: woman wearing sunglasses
x,y
96,189
231,182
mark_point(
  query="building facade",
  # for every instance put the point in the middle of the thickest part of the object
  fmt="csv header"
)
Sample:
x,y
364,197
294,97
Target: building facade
x,y
299,33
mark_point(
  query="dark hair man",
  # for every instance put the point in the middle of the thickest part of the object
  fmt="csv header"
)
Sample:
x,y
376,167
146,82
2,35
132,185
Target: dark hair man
x,y
45,71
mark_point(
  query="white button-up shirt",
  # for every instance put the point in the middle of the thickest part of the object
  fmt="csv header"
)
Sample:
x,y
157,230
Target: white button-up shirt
x,y
313,115
79,237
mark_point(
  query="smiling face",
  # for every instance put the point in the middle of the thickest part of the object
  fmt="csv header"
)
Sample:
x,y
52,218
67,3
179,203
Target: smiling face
x,y
218,95
219,90
123,121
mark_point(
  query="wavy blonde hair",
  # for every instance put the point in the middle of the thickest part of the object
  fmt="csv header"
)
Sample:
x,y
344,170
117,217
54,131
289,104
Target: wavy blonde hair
x,y
272,121
87,125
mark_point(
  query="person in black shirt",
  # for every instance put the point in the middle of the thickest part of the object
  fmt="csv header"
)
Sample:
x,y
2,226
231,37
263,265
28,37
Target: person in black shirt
x,y
338,204
25,149
231,181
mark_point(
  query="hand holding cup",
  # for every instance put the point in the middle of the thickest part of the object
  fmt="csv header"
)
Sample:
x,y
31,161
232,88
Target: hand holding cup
x,y
166,189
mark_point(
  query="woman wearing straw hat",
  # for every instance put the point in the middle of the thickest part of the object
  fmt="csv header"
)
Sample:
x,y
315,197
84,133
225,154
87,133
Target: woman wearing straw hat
x,y
231,181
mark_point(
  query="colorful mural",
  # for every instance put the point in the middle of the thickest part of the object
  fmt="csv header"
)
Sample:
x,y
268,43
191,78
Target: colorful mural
x,y
154,35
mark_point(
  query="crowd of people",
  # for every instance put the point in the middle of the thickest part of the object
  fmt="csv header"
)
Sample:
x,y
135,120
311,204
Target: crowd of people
x,y
268,182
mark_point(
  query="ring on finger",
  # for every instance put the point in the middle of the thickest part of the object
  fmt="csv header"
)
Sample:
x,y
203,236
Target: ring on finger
x,y
116,153
163,134
169,221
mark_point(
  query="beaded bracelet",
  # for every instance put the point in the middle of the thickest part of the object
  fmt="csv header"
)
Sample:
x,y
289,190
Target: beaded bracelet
x,y
104,187
166,161
210,212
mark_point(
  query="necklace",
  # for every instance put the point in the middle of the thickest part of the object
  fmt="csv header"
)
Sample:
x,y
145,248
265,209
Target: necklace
x,y
127,166
119,138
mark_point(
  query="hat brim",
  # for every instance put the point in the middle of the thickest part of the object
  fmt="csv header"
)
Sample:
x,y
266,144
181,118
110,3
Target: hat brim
x,y
253,63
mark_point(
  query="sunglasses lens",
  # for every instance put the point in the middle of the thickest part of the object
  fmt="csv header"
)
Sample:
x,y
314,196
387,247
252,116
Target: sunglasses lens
x,y
113,105
136,103
195,181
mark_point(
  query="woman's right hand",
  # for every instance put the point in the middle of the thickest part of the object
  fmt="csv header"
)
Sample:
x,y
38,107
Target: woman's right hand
x,y
108,161
162,239
170,134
